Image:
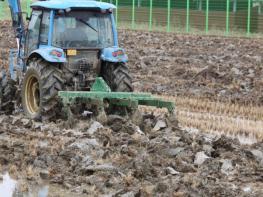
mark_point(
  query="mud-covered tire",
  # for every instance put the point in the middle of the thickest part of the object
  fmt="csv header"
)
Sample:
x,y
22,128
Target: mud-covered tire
x,y
118,79
42,103
8,94
117,76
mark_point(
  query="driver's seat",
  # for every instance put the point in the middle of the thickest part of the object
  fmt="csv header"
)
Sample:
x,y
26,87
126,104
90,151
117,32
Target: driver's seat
x,y
72,35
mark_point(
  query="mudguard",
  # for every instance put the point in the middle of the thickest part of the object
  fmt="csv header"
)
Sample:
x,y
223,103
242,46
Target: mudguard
x,y
50,54
113,54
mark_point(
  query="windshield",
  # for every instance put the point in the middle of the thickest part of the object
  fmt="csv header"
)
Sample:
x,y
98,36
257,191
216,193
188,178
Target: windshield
x,y
82,29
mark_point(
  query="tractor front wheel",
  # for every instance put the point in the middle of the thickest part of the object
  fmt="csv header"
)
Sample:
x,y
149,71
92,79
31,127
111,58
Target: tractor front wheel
x,y
7,95
40,88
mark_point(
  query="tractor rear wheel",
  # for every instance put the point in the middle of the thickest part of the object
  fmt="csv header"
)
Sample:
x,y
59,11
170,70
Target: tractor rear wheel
x,y
117,77
40,88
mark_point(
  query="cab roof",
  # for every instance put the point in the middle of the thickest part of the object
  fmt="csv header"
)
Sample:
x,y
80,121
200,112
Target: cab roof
x,y
65,4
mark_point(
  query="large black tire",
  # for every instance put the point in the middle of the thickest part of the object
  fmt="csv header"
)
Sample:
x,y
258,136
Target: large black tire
x,y
40,88
8,94
117,77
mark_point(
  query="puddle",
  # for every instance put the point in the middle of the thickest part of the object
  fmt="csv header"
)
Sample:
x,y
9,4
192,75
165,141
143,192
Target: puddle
x,y
7,186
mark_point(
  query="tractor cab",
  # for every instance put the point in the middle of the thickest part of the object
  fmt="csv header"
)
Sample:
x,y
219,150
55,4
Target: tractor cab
x,y
68,26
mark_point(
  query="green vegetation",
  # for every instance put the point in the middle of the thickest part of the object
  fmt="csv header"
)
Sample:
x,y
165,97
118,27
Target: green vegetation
x,y
5,12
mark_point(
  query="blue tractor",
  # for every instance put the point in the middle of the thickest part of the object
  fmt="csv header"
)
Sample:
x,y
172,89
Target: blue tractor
x,y
68,48
67,44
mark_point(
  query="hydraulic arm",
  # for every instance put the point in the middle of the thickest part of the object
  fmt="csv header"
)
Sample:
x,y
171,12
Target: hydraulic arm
x,y
16,13
17,21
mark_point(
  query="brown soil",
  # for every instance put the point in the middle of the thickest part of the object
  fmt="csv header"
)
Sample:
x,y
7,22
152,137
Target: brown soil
x,y
118,159
218,68
155,158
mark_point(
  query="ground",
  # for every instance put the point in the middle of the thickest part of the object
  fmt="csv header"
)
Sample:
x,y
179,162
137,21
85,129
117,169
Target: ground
x,y
158,157
218,68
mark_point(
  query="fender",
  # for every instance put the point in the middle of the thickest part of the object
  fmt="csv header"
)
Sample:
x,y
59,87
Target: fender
x,y
113,54
50,54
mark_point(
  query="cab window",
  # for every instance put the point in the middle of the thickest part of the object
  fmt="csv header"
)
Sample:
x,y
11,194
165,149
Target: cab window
x,y
44,29
33,31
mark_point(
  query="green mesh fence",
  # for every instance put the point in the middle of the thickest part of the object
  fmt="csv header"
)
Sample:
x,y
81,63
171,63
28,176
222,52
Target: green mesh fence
x,y
209,16
190,16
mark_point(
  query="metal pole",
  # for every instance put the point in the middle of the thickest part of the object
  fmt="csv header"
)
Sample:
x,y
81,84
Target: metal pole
x,y
116,12
249,18
200,5
133,14
227,16
151,15
187,15
207,17
168,15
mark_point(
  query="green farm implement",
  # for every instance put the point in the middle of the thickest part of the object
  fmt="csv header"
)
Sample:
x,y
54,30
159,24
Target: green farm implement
x,y
101,94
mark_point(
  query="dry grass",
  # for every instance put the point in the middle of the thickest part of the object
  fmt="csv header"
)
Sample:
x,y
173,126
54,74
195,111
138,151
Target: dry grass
x,y
248,111
221,124
243,121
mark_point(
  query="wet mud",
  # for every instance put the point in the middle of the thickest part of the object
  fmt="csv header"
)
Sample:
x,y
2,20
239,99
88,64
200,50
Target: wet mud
x,y
122,159
155,157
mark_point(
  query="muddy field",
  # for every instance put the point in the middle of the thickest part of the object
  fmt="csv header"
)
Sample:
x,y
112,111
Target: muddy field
x,y
157,157
225,69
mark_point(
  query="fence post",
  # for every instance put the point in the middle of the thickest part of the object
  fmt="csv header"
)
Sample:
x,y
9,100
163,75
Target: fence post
x,y
187,15
116,12
151,15
227,16
1,10
249,18
28,7
168,15
133,14
207,17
